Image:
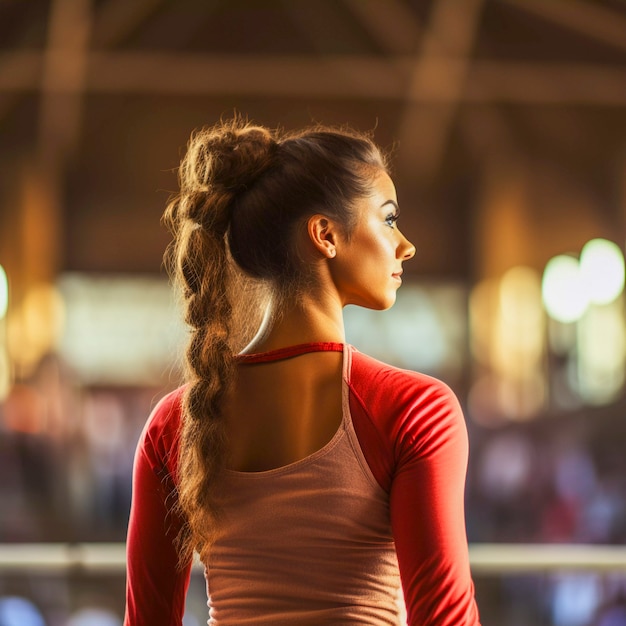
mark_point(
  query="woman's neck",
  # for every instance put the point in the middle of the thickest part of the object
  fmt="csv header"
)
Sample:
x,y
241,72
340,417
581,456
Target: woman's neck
x,y
303,321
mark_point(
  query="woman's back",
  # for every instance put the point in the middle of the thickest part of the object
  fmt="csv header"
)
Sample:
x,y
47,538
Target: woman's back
x,y
279,412
305,538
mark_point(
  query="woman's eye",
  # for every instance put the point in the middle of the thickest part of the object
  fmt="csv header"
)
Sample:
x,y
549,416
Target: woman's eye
x,y
391,219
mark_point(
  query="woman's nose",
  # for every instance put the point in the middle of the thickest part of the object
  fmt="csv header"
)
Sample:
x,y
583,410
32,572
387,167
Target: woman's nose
x,y
407,249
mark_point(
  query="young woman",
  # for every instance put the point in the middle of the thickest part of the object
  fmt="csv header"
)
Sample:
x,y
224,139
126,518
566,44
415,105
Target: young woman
x,y
311,479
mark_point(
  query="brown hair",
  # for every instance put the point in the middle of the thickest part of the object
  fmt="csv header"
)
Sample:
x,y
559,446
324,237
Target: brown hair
x,y
244,193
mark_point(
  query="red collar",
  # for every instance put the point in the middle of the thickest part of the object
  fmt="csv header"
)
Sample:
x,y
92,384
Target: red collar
x,y
290,351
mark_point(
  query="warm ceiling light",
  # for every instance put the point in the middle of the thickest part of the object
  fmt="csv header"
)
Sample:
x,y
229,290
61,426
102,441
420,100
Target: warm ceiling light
x,y
602,270
4,292
562,289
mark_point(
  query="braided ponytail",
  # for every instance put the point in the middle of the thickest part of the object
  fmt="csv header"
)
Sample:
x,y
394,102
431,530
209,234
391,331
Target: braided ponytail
x,y
220,163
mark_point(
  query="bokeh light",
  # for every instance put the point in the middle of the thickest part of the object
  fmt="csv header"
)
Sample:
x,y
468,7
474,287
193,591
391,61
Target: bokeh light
x,y
5,374
4,292
34,328
563,290
483,310
602,270
601,346
507,324
520,306
17,611
425,329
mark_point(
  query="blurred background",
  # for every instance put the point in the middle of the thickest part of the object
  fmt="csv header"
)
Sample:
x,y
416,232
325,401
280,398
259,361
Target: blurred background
x,y
506,120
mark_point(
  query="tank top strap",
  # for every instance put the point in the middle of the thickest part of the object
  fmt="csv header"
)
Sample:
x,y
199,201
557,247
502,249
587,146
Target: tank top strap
x,y
290,351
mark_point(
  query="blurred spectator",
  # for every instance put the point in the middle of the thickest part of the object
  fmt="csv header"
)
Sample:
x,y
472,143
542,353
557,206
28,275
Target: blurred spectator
x,y
105,433
30,466
16,611
575,599
612,616
94,617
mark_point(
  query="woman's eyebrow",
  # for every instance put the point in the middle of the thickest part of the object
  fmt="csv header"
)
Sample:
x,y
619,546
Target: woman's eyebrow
x,y
393,202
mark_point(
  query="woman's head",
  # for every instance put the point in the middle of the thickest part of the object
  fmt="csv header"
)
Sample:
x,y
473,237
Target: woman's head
x,y
259,187
366,268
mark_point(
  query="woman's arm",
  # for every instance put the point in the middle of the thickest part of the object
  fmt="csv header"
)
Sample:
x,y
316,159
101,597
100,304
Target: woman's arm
x,y
156,584
413,435
428,518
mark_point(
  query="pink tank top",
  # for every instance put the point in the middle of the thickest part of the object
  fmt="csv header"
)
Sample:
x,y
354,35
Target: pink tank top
x,y
307,543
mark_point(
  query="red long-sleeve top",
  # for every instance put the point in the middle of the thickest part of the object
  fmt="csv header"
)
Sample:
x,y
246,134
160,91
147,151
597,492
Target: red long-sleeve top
x,y
412,434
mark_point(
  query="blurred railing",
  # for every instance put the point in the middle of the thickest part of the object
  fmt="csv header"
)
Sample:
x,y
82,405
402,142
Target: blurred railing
x,y
485,558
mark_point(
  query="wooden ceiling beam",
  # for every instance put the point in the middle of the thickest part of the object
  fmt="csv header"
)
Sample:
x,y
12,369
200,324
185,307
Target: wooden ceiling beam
x,y
587,18
450,33
64,63
390,23
324,77
115,20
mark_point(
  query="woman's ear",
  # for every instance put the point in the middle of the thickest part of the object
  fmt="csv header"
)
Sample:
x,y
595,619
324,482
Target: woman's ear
x,y
323,235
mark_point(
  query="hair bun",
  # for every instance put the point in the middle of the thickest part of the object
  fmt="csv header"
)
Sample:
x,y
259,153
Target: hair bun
x,y
230,155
